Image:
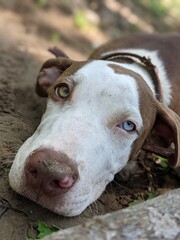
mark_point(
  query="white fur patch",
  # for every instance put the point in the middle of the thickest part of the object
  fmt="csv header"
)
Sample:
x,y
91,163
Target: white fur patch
x,y
156,60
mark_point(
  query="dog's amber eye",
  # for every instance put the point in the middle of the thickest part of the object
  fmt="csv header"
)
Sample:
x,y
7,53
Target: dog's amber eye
x,y
62,91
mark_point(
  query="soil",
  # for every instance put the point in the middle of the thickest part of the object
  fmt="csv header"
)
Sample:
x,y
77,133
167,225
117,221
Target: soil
x,y
25,31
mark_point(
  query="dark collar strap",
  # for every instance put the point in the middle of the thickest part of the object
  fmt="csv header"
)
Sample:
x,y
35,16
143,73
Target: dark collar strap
x,y
152,70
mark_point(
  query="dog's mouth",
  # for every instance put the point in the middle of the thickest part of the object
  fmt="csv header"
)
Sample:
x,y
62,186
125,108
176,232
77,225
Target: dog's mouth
x,y
66,204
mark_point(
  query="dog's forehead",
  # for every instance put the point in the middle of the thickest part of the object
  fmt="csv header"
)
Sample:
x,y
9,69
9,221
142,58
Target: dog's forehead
x,y
99,70
105,76
101,81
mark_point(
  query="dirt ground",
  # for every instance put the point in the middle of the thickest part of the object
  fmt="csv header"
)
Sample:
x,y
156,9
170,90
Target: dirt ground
x,y
27,30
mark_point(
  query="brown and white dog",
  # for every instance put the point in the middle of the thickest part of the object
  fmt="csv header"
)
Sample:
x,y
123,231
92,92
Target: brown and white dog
x,y
99,114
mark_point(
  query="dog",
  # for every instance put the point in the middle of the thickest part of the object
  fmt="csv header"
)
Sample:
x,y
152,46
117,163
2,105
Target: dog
x,y
99,115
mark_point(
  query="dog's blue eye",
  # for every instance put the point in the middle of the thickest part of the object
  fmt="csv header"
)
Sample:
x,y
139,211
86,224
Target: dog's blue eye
x,y
128,126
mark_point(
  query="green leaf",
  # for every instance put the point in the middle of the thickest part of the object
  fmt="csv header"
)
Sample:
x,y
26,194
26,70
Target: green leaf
x,y
135,202
163,162
30,238
152,195
45,230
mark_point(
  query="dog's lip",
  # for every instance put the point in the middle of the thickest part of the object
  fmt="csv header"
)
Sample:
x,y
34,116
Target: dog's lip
x,y
60,205
56,198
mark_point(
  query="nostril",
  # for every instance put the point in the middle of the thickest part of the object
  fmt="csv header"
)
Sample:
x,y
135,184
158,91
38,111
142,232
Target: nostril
x,y
54,184
33,173
63,182
67,181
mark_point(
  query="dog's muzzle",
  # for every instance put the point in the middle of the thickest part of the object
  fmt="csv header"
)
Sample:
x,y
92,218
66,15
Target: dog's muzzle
x,y
48,172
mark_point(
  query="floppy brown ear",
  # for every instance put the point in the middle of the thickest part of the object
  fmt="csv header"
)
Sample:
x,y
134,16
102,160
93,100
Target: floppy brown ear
x,y
50,71
57,52
166,135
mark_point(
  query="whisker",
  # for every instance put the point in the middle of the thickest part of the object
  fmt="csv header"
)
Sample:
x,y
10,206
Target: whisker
x,y
122,185
94,208
96,205
90,206
106,191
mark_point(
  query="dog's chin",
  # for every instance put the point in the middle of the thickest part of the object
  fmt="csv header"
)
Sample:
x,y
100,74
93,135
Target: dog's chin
x,y
64,206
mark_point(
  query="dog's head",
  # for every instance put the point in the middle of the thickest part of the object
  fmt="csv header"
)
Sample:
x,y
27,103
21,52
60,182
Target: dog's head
x,y
98,117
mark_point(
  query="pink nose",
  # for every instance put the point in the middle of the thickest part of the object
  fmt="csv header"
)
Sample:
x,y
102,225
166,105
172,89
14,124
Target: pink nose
x,y
50,172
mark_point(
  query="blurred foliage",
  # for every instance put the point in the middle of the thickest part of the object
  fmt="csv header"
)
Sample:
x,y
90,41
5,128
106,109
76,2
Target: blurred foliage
x,y
160,8
42,3
162,15
67,6
134,28
55,37
154,7
81,21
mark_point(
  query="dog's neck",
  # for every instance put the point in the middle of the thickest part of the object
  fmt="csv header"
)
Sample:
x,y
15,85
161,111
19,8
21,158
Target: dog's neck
x,y
149,66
